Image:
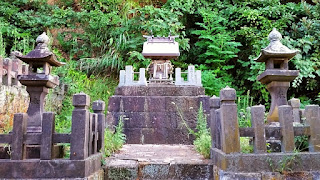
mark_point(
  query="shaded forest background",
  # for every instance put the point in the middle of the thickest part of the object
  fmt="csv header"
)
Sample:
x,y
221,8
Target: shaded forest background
x,y
97,38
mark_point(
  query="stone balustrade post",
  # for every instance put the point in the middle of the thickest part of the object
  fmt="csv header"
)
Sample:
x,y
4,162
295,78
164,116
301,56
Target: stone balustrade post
x,y
198,78
178,79
80,127
215,125
230,135
99,108
48,126
129,75
142,77
18,131
312,113
191,75
286,124
122,78
257,121
295,104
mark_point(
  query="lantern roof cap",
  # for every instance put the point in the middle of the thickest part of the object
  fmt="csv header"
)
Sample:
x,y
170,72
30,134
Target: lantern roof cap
x,y
41,54
275,49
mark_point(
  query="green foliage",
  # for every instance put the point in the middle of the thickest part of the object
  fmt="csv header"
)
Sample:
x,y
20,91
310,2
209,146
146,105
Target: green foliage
x,y
96,87
202,135
245,145
113,141
244,115
285,164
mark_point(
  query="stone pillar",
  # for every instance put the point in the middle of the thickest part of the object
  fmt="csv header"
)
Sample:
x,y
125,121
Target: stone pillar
x,y
19,130
313,119
80,127
230,135
295,104
178,79
257,120
278,91
122,78
142,77
198,78
129,75
99,107
191,75
215,125
48,127
36,107
286,124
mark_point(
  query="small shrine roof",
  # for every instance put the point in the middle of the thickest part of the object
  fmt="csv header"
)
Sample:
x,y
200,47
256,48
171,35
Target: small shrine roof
x,y
161,47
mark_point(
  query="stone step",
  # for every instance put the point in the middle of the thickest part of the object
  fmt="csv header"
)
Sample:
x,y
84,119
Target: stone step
x,y
136,161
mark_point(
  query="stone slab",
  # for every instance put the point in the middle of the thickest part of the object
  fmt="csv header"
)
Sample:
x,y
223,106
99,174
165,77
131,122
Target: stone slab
x,y
158,162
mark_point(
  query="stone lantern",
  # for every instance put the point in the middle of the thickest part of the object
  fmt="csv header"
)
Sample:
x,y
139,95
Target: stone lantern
x,y
160,50
277,75
39,80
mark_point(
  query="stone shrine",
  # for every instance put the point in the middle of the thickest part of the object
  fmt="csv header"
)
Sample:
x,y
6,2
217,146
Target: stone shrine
x,y
154,111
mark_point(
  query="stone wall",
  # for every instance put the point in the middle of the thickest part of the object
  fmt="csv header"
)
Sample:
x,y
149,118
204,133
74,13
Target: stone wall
x,y
157,114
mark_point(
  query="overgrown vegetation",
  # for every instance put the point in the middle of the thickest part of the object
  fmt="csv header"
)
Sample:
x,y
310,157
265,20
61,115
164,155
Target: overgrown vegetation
x,y
201,133
221,37
285,164
113,140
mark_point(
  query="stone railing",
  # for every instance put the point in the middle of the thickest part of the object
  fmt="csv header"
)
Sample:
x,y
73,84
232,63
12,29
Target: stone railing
x,y
193,77
226,135
10,68
127,77
86,141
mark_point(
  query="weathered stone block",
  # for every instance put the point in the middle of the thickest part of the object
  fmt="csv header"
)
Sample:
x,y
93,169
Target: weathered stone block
x,y
191,171
155,171
98,105
151,135
133,135
121,169
174,103
81,99
114,104
134,103
156,103
228,94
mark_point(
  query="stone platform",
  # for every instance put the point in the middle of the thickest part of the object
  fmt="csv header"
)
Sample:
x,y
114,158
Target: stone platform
x,y
158,162
156,114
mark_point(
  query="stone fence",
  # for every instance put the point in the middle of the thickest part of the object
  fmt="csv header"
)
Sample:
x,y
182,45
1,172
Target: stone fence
x,y
127,77
86,141
226,134
10,68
